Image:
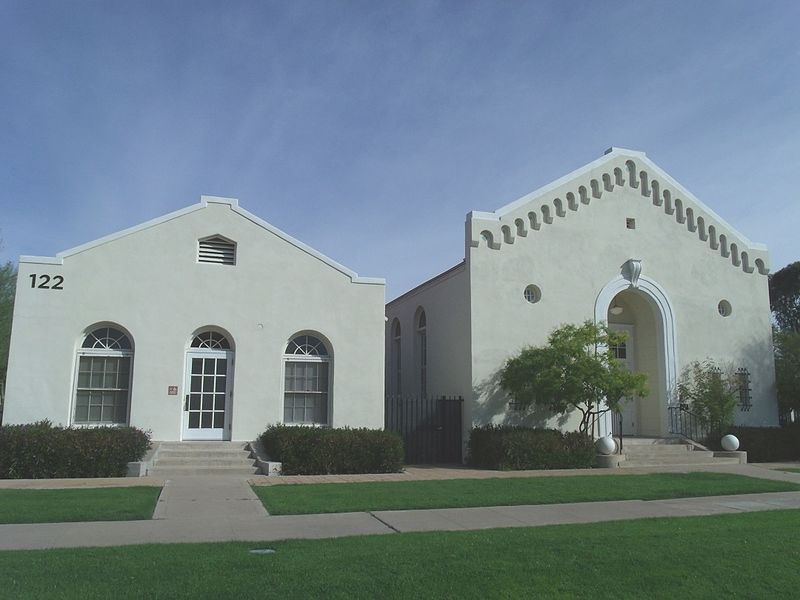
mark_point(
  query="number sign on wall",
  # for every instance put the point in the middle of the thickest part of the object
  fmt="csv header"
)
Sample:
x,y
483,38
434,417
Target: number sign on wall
x,y
45,282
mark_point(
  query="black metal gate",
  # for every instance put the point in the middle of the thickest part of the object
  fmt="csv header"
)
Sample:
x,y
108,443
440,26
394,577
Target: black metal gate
x,y
430,427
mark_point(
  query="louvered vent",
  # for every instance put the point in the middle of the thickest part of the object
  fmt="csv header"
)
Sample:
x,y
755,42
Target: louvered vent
x,y
217,250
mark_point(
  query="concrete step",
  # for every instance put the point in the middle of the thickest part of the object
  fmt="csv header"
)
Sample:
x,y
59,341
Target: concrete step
x,y
206,462
184,471
202,458
203,446
673,449
201,454
651,441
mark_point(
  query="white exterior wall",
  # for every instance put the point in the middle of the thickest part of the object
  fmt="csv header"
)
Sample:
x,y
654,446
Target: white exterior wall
x,y
445,300
150,283
575,256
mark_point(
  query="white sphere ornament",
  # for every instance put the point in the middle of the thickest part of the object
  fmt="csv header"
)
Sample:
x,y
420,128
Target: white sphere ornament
x,y
606,445
730,443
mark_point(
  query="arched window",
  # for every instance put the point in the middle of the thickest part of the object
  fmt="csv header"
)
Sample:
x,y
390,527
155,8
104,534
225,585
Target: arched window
x,y
307,378
396,357
211,340
102,390
422,352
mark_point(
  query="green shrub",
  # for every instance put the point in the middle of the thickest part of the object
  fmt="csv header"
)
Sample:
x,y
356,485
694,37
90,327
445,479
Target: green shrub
x,y
710,391
765,444
40,450
322,450
511,448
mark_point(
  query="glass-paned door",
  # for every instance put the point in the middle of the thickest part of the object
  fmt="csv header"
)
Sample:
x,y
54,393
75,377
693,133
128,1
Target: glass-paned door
x,y
624,353
208,394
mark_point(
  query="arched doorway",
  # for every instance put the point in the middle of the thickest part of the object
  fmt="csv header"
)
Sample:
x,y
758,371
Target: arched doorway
x,y
640,307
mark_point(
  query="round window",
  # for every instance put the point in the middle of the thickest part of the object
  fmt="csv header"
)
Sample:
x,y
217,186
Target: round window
x,y
532,294
724,308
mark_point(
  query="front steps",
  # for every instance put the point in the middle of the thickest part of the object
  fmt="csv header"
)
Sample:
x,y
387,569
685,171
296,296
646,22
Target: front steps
x,y
202,458
667,452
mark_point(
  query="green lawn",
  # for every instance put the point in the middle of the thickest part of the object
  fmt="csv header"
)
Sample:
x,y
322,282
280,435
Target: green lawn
x,y
792,470
95,504
457,493
750,555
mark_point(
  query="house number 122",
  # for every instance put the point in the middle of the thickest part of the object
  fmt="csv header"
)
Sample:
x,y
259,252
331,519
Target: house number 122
x,y
45,282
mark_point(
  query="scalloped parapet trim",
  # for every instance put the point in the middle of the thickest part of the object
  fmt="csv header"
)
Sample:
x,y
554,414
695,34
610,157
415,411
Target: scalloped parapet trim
x,y
617,169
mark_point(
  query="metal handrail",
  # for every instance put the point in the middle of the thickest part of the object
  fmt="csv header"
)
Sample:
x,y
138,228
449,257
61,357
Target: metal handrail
x,y
689,425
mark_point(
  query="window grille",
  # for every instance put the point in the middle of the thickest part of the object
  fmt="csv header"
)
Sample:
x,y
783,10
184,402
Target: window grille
x,y
211,340
216,250
745,396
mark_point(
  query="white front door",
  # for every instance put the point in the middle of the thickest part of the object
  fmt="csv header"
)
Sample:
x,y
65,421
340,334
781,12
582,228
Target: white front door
x,y
208,395
625,354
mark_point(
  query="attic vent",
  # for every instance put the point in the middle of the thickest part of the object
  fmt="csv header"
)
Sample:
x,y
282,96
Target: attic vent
x,y
217,250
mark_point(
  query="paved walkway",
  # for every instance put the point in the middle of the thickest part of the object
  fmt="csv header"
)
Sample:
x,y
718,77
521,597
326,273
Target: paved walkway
x,y
205,509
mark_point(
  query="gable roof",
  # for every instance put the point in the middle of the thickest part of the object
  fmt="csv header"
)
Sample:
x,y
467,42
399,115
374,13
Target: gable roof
x,y
618,167
233,203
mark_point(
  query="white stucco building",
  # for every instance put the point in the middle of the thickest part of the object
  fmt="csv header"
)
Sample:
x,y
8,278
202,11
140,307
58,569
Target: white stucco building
x,y
619,241
207,323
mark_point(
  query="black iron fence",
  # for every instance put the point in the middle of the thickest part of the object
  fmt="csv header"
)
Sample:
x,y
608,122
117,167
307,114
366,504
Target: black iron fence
x,y
429,425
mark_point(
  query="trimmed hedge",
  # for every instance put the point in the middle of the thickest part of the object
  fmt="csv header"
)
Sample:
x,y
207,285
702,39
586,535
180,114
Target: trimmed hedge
x,y
40,451
509,448
766,444
323,451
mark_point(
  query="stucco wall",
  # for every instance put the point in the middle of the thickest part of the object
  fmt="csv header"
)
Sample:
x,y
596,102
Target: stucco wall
x,y
446,303
151,284
576,255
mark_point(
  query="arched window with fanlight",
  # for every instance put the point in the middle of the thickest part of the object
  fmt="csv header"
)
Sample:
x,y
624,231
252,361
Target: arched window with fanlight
x,y
422,351
103,382
307,381
396,358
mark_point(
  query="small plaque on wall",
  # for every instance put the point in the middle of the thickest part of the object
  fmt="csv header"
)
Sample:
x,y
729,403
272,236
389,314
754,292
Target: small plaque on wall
x,y
172,390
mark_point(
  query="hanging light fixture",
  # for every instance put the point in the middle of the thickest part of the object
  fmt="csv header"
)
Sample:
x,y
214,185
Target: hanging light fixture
x,y
615,309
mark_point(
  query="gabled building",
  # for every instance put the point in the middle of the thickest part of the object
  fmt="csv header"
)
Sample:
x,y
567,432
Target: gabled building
x,y
207,323
617,241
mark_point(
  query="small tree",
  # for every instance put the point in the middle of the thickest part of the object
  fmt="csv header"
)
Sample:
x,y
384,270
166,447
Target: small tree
x,y
574,371
710,392
8,284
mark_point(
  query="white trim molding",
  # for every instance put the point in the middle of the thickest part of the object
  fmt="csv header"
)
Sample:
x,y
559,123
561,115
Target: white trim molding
x,y
667,333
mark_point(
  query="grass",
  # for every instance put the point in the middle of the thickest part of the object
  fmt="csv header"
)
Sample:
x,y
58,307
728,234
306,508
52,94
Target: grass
x,y
791,470
457,493
95,504
742,555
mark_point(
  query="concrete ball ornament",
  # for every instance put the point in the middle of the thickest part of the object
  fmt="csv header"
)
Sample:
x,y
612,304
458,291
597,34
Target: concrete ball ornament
x,y
730,443
606,445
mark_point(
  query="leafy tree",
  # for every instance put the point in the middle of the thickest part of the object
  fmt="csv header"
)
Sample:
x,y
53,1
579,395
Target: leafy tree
x,y
787,369
8,283
784,296
784,300
710,392
574,371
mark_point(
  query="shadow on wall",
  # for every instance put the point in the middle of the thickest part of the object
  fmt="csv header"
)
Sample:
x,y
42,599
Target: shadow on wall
x,y
757,356
490,404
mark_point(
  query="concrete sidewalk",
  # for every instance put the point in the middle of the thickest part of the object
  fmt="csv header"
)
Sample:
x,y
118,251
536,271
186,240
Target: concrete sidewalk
x,y
264,529
220,509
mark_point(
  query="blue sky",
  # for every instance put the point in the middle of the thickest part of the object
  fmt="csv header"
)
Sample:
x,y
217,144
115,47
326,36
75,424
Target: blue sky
x,y
369,129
